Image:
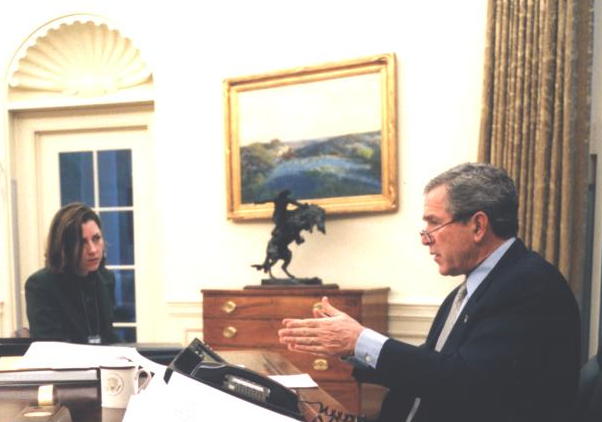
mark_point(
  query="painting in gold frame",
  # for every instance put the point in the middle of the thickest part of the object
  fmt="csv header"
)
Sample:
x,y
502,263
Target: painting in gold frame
x,y
327,133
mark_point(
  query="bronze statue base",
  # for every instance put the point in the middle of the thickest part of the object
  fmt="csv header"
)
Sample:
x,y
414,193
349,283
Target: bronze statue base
x,y
314,281
293,282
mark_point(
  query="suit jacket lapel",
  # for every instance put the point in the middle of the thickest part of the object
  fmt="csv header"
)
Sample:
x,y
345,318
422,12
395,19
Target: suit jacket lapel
x,y
439,320
510,258
457,334
71,308
105,302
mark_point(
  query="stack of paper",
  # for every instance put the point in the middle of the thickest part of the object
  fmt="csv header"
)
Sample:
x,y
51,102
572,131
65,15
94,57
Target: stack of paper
x,y
46,376
295,381
56,355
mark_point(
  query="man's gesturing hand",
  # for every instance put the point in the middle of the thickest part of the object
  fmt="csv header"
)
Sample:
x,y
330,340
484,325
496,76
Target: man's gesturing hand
x,y
331,332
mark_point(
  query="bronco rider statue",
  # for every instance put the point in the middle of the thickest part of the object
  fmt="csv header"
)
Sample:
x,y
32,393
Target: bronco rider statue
x,y
287,227
281,202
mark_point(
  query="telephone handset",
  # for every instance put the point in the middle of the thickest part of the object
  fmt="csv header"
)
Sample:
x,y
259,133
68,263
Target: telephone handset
x,y
202,363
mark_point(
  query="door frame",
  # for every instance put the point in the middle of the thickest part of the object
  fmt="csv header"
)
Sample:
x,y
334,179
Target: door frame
x,y
26,128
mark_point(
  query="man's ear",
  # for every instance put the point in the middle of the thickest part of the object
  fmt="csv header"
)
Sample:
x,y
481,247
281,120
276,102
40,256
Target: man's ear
x,y
480,225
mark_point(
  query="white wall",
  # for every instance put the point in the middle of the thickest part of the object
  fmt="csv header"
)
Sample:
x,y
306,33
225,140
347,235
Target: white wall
x,y
596,148
439,47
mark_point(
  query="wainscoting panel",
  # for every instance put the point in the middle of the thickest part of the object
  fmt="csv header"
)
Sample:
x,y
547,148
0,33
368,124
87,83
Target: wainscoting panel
x,y
410,322
185,322
407,322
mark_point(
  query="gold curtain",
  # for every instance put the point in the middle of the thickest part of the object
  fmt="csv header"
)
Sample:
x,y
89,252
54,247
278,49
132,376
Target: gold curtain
x,y
535,119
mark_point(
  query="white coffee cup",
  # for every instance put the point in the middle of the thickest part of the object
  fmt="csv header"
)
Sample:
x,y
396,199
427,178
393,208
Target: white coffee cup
x,y
119,380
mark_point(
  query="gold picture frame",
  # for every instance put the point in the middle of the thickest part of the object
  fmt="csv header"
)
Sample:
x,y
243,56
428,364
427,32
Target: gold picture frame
x,y
328,133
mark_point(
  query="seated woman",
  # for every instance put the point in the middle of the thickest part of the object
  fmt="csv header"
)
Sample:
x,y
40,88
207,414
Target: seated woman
x,y
70,299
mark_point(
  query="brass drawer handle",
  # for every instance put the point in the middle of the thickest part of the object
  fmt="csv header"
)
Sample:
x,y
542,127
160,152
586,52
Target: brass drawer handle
x,y
320,365
229,307
229,332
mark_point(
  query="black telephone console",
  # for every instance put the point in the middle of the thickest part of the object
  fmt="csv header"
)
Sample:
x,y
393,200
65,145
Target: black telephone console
x,y
200,362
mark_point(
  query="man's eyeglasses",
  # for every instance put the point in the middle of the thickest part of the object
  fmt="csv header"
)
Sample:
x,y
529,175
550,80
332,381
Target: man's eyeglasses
x,y
427,237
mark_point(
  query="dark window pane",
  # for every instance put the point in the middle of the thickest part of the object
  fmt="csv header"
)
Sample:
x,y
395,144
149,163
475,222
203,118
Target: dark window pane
x,y
115,178
77,180
125,296
118,231
126,334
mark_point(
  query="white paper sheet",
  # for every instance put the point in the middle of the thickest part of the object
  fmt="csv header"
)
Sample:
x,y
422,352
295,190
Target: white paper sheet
x,y
295,381
55,355
186,400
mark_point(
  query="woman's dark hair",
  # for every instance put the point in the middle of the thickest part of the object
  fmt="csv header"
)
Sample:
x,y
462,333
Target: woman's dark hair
x,y
473,187
64,244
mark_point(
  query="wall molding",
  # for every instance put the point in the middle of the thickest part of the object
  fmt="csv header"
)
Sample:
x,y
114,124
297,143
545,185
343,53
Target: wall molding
x,y
184,322
408,322
185,309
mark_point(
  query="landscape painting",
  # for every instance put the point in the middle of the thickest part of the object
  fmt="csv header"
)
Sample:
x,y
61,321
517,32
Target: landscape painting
x,y
326,133
337,166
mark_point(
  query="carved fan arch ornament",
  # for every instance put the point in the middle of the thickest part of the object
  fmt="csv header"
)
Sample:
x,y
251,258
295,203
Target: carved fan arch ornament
x,y
79,55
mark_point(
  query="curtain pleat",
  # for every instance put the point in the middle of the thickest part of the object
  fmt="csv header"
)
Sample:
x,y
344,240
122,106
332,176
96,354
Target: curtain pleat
x,y
535,119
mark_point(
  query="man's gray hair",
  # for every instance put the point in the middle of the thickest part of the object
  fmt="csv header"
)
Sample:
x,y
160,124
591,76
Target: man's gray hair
x,y
473,187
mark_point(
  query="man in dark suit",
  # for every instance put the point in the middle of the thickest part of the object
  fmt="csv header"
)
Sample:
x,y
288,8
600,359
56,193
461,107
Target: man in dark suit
x,y
504,345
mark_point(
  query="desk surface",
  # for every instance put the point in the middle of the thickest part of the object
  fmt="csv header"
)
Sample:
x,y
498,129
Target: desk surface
x,y
84,404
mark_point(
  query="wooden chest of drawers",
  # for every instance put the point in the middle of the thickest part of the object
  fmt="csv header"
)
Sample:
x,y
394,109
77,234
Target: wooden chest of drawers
x,y
250,319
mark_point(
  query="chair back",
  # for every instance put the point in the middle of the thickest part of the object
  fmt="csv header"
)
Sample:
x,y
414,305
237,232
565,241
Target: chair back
x,y
589,396
14,346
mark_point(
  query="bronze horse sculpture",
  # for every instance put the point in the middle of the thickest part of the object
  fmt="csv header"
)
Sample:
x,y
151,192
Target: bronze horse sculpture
x,y
304,217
